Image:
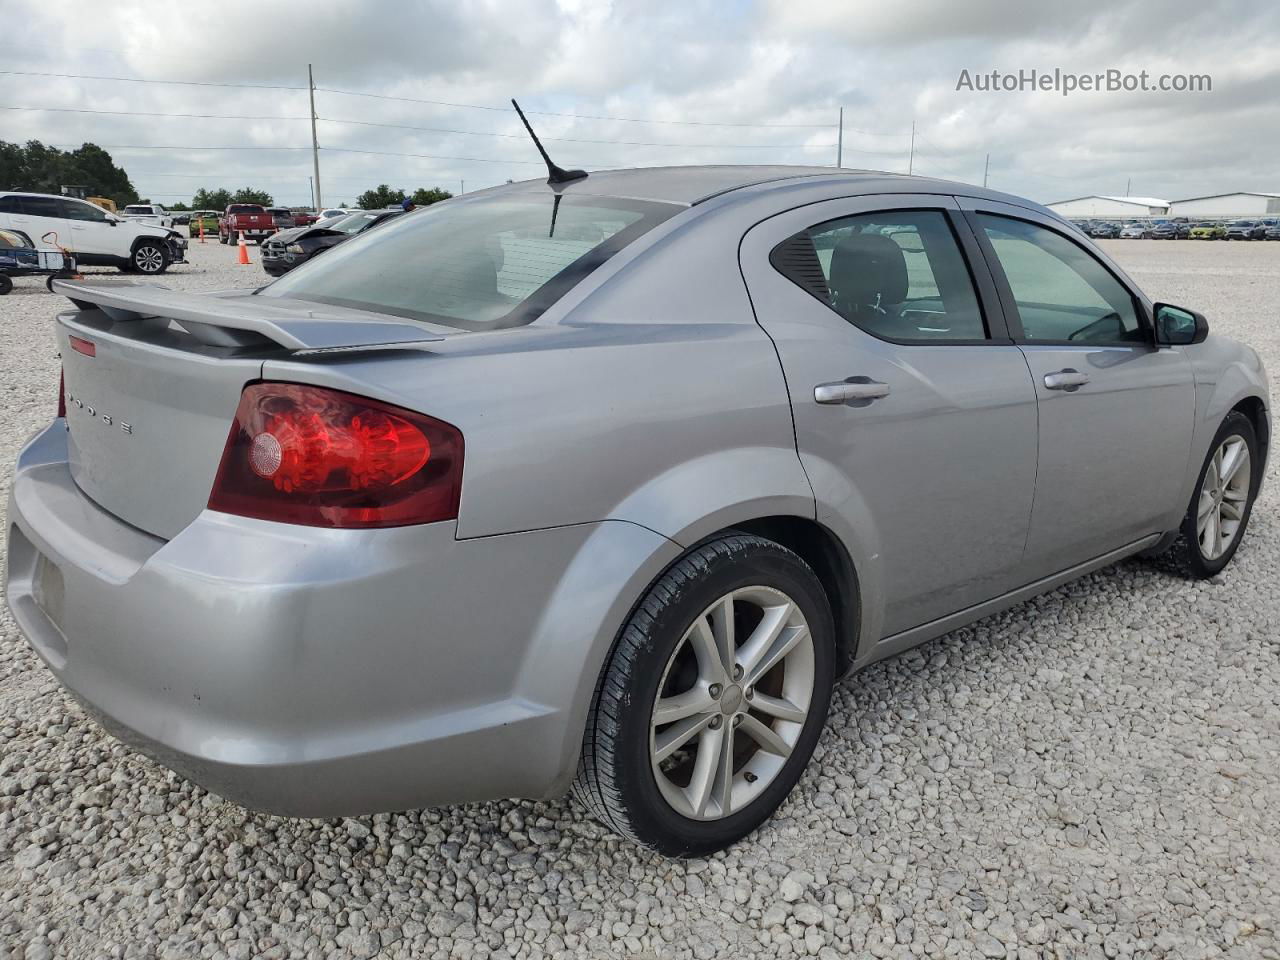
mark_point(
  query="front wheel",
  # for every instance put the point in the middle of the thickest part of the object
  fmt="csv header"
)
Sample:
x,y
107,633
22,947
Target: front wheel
x,y
149,258
711,703
1222,500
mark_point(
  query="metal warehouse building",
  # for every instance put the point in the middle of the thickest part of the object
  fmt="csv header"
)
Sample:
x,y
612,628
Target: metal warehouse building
x,y
1227,205
1111,207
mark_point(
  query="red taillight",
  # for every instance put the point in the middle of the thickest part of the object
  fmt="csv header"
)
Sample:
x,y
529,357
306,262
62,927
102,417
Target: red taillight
x,y
309,455
62,394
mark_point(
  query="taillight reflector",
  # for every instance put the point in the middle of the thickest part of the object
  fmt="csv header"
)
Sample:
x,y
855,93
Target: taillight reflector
x,y
62,393
320,457
81,345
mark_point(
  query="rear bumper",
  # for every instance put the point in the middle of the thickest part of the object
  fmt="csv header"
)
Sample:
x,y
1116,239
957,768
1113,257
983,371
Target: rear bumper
x,y
315,672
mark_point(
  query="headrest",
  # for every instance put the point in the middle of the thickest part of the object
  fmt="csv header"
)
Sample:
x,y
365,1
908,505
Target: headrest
x,y
866,269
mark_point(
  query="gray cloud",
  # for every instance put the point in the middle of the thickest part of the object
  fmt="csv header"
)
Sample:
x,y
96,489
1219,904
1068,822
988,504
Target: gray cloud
x,y
740,62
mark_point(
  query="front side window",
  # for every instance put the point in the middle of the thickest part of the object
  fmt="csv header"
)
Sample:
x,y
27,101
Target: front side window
x,y
475,264
76,210
898,275
1063,293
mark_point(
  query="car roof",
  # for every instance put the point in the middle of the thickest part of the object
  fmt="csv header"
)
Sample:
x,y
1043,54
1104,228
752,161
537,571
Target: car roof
x,y
692,185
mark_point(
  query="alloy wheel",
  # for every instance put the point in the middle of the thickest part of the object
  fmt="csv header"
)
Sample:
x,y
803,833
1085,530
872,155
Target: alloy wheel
x,y
148,259
1224,495
732,703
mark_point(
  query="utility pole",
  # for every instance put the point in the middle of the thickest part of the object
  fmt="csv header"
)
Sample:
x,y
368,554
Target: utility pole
x,y
911,159
985,168
840,141
311,185
315,144
1127,184
462,187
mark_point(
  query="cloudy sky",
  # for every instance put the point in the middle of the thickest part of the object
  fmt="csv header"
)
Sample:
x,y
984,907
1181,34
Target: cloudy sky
x,y
642,84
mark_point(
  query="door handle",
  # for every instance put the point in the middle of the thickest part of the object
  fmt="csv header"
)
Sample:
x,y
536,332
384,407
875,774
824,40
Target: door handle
x,y
1069,379
844,391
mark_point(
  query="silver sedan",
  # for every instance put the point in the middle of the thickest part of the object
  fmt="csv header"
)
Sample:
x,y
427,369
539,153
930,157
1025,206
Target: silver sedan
x,y
602,485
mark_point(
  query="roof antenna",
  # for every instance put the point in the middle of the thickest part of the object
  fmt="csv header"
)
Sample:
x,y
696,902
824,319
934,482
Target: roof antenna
x,y
554,174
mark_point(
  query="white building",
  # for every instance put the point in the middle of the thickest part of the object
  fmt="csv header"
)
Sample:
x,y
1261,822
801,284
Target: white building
x,y
1110,208
1228,205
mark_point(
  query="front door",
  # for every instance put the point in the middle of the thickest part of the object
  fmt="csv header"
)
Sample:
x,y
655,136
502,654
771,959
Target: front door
x,y
915,415
1116,413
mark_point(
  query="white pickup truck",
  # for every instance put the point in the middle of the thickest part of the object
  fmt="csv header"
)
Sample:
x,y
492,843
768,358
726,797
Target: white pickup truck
x,y
151,213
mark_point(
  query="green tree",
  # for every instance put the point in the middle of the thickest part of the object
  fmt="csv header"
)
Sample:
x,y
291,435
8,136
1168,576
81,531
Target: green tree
x,y
42,169
206,199
381,196
422,197
250,195
179,206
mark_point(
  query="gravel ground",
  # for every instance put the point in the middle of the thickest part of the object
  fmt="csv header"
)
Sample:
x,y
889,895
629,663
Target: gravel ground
x,y
1090,774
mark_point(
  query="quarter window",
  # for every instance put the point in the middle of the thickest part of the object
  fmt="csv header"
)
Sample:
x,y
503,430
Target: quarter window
x,y
898,275
1062,292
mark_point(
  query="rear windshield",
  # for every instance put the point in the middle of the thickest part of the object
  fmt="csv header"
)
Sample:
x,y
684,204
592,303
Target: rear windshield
x,y
477,263
133,209
245,208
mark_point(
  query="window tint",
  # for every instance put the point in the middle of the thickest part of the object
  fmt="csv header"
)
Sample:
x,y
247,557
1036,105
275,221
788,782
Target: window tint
x,y
42,207
898,275
481,263
75,210
1062,292
10,204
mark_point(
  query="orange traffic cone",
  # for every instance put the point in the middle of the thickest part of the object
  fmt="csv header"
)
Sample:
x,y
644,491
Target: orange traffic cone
x,y
202,229
244,251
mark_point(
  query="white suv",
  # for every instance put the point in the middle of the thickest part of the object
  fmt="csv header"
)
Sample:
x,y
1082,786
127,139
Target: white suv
x,y
96,237
151,213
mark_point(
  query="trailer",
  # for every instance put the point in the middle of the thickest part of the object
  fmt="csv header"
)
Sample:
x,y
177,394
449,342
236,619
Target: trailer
x,y
19,257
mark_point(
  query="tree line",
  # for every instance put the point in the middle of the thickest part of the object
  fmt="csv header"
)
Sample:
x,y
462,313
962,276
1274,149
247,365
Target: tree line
x,y
38,168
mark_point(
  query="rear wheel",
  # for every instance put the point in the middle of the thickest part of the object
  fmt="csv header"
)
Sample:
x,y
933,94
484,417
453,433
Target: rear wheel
x,y
6,284
1221,502
713,699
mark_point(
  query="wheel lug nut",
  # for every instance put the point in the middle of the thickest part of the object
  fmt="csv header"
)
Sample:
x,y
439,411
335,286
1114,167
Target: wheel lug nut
x,y
737,671
749,692
714,690
737,719
715,723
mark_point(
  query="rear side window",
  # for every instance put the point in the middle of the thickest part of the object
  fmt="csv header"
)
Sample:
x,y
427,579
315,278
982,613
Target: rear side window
x,y
476,264
42,207
898,275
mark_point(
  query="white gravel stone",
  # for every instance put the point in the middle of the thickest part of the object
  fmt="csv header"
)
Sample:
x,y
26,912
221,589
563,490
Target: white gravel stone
x,y
1090,774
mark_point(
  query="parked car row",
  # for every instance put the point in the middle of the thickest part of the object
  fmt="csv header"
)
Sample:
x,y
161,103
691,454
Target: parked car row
x,y
1181,228
289,248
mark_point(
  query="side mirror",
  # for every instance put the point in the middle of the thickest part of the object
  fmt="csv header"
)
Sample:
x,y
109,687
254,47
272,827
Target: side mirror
x,y
112,220
1178,326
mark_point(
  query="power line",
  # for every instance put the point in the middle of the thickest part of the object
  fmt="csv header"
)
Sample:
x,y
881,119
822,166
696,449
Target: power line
x,y
624,143
149,146
183,83
430,156
142,113
575,116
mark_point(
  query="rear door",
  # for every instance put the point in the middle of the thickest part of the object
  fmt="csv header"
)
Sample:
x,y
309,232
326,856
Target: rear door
x,y
1116,413
915,415
39,216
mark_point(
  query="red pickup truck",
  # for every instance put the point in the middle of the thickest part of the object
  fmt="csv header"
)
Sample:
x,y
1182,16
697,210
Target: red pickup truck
x,y
251,219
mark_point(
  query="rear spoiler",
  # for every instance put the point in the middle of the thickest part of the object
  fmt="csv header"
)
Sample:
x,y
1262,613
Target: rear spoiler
x,y
244,320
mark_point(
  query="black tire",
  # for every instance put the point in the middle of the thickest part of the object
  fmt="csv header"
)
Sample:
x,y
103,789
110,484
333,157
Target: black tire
x,y
149,258
615,779
6,284
1186,554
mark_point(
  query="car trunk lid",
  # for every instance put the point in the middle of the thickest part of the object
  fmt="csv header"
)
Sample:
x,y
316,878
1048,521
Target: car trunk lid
x,y
153,378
